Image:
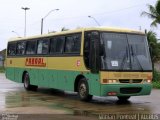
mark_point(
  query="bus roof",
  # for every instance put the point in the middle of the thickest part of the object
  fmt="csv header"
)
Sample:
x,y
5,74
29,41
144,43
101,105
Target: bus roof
x,y
108,29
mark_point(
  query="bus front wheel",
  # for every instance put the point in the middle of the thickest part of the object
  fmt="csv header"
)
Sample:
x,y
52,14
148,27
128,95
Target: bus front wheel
x,y
27,84
83,90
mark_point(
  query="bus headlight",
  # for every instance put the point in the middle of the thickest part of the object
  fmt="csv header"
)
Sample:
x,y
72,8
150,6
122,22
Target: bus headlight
x,y
147,81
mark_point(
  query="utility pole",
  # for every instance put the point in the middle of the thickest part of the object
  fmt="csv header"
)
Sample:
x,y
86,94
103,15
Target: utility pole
x,y
25,28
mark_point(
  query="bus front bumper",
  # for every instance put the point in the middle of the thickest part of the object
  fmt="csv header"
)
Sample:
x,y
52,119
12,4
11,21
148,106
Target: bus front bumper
x,y
125,89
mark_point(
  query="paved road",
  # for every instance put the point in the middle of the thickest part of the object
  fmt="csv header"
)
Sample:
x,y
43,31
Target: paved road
x,y
50,103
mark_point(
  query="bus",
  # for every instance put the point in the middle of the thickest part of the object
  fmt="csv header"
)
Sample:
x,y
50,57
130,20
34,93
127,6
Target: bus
x,y
96,61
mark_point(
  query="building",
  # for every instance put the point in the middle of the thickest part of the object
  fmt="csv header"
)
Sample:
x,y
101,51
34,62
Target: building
x,y
2,57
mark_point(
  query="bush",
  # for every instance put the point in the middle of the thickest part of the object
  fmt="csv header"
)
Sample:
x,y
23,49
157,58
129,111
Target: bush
x,y
156,76
156,79
156,84
2,69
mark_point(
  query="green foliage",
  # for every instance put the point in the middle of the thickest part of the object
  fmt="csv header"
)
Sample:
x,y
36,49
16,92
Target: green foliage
x,y
2,69
64,29
156,79
154,13
155,47
156,76
156,84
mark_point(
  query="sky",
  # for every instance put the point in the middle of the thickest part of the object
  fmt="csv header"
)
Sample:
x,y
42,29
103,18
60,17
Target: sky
x,y
71,15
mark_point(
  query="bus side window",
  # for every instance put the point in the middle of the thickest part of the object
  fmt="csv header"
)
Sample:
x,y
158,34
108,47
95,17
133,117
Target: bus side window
x,y
52,45
57,45
31,47
11,49
21,48
73,44
87,48
43,46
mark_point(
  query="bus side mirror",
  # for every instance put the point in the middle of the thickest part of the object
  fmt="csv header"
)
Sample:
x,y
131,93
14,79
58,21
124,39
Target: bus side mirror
x,y
95,52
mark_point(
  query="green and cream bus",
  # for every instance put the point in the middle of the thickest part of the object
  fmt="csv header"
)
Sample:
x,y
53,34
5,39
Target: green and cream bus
x,y
90,61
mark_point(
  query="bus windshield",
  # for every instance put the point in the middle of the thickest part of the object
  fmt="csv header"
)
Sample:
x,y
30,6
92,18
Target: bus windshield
x,y
125,52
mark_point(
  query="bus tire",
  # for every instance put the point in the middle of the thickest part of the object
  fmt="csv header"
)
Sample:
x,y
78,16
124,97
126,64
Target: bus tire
x,y
27,84
123,98
83,90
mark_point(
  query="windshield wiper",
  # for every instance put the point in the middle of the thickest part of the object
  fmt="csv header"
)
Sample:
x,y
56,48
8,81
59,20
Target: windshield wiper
x,y
134,55
124,59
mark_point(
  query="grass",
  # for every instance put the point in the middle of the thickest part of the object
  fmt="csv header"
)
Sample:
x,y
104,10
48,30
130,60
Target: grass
x,y
2,69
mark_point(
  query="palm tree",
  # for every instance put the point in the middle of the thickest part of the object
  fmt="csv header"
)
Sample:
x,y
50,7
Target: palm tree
x,y
154,45
152,38
64,29
154,13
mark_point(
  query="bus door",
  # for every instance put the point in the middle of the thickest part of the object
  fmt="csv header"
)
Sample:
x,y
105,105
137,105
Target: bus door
x,y
10,70
92,59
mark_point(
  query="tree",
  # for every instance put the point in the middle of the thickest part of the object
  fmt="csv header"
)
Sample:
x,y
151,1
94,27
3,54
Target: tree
x,y
152,40
154,13
64,29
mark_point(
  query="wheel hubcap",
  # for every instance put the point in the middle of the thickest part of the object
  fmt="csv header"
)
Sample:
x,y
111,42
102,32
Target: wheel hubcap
x,y
82,90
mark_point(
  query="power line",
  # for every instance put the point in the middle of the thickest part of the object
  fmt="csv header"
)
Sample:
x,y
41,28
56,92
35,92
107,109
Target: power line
x,y
122,9
96,14
107,12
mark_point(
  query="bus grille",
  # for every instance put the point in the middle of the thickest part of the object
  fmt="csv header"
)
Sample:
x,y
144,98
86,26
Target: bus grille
x,y
130,90
130,81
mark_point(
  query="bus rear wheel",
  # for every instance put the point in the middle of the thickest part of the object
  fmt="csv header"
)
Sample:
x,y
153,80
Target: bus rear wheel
x,y
27,84
83,90
123,98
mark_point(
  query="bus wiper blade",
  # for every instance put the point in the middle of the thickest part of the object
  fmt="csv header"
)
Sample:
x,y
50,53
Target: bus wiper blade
x,y
124,59
134,55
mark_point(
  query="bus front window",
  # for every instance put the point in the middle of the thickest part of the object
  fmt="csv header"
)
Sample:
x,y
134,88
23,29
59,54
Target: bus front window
x,y
125,52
